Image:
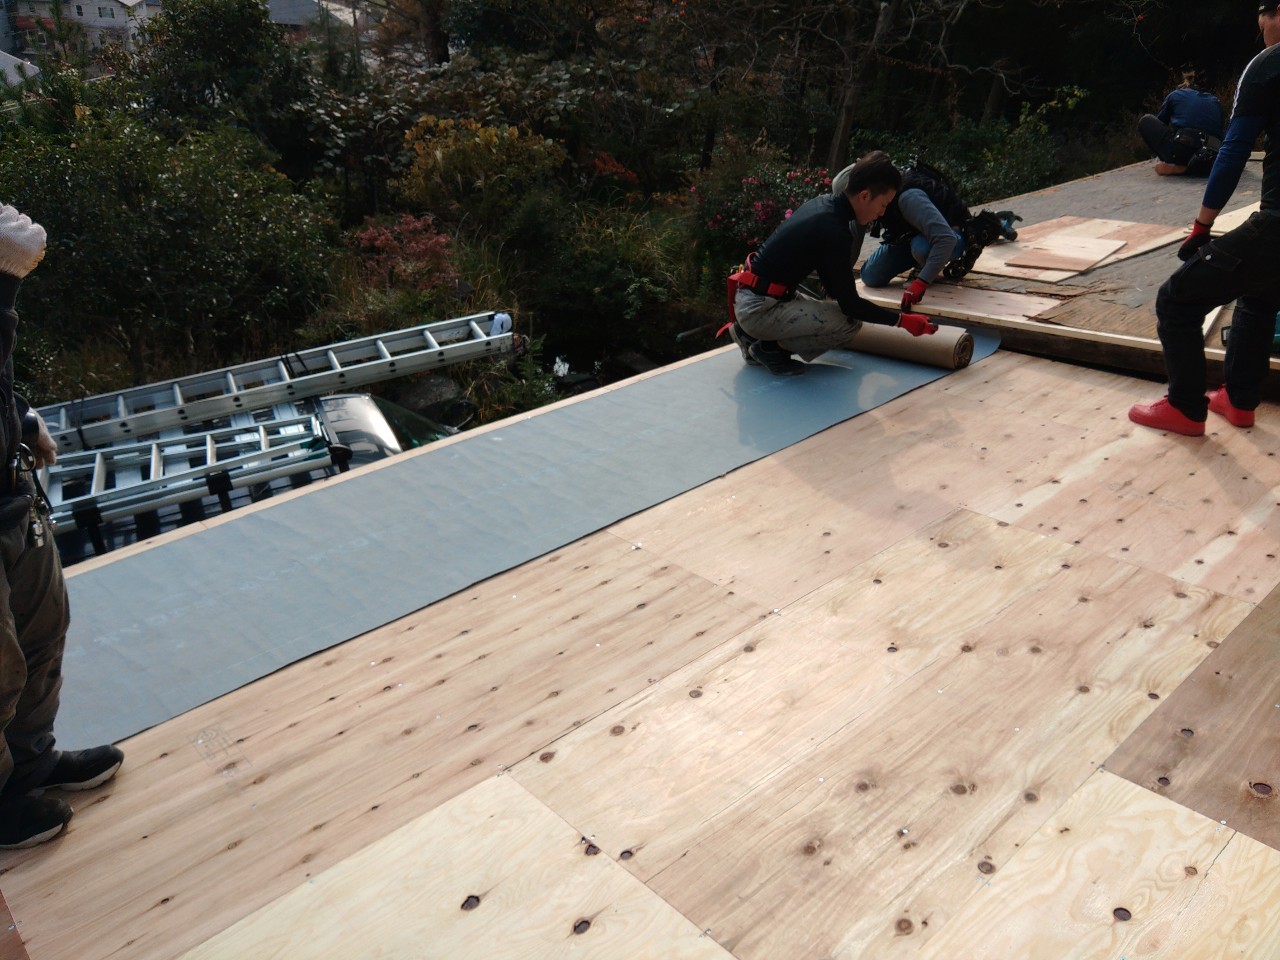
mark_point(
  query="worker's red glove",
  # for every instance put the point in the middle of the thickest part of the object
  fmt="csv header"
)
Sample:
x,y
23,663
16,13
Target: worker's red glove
x,y
1199,237
913,293
917,324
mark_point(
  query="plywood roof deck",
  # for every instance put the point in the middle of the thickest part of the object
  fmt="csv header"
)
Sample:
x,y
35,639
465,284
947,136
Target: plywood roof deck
x,y
985,672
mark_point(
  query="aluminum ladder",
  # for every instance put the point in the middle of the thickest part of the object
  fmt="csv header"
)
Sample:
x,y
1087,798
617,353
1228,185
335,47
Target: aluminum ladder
x,y
89,488
140,411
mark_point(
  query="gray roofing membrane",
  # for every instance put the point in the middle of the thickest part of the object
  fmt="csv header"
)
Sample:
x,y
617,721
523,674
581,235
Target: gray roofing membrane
x,y
160,632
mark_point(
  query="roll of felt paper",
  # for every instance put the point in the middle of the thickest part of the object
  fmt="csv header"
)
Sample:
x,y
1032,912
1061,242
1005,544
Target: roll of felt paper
x,y
950,348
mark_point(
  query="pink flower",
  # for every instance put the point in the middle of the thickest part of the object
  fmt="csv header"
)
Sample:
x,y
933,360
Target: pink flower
x,y
787,213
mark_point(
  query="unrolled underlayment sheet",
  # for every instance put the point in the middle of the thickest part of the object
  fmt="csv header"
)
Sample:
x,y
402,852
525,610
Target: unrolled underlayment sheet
x,y
165,630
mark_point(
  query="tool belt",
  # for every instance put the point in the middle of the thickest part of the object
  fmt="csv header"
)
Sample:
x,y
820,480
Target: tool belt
x,y
758,284
17,488
20,465
745,277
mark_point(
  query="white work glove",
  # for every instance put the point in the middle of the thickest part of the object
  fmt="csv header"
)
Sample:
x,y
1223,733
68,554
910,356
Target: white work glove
x,y
21,242
44,449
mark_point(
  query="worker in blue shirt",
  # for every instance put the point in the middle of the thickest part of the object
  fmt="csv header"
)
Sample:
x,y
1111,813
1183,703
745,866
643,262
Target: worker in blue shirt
x,y
1186,133
1239,265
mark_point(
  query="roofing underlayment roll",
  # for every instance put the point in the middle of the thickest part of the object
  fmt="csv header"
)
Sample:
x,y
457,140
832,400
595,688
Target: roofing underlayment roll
x,y
951,348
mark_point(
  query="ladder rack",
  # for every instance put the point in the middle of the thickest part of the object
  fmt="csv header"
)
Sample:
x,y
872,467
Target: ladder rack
x,y
128,414
91,487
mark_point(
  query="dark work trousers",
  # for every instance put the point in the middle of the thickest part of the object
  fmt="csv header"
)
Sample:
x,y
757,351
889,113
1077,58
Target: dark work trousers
x,y
1181,146
1240,266
34,614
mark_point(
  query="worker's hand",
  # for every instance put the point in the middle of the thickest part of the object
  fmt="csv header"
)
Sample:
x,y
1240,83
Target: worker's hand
x,y
36,436
913,293
1199,237
917,324
21,242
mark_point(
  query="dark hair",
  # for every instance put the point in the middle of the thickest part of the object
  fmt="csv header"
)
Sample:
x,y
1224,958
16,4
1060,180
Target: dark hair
x,y
875,172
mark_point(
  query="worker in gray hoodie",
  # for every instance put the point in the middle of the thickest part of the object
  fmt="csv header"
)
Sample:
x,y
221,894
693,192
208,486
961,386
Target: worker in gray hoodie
x,y
922,230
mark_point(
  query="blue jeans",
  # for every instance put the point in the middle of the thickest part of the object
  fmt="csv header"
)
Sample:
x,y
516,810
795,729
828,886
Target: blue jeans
x,y
890,259
1240,266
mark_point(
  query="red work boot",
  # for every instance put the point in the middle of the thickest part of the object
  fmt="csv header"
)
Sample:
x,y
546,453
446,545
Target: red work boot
x,y
1162,415
1220,404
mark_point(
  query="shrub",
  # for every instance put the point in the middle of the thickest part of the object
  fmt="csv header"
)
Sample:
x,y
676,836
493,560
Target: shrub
x,y
464,169
988,162
408,252
741,200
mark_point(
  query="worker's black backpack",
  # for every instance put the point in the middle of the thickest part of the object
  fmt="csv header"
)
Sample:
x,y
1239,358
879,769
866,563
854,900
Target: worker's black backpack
x,y
938,187
979,231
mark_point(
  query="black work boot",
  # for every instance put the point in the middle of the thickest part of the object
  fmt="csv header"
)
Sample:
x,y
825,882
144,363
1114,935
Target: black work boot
x,y
27,821
83,769
774,359
744,341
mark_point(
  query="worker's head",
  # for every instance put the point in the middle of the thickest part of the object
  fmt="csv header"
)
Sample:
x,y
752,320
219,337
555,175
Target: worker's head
x,y
1269,21
870,185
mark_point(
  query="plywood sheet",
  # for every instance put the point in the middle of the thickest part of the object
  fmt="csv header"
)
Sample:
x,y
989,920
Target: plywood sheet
x,y
964,302
1233,219
11,947
776,530
900,733
1201,510
1062,252
1120,872
1127,239
1214,744
491,875
226,808
815,704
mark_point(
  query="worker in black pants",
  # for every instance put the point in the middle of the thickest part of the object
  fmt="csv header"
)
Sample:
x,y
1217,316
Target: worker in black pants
x,y
1186,133
33,596
1239,265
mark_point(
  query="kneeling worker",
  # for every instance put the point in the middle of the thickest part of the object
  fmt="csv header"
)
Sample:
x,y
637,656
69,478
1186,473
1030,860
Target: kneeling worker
x,y
916,235
770,322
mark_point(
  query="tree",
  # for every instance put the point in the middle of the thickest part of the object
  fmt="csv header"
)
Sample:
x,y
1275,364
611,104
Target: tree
x,y
182,255
204,62
416,28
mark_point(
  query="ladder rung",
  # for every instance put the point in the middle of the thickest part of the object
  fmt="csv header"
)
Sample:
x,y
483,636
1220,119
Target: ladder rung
x,y
147,410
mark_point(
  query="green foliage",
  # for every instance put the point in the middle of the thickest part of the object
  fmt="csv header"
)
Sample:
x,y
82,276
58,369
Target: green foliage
x,y
181,256
201,63
606,281
743,198
502,387
463,170
986,163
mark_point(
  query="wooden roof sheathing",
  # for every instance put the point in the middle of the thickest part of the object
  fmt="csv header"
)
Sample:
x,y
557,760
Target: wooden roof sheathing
x,y
858,699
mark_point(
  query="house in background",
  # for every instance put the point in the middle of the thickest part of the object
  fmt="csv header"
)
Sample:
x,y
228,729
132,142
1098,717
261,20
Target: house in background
x,y
295,15
104,21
